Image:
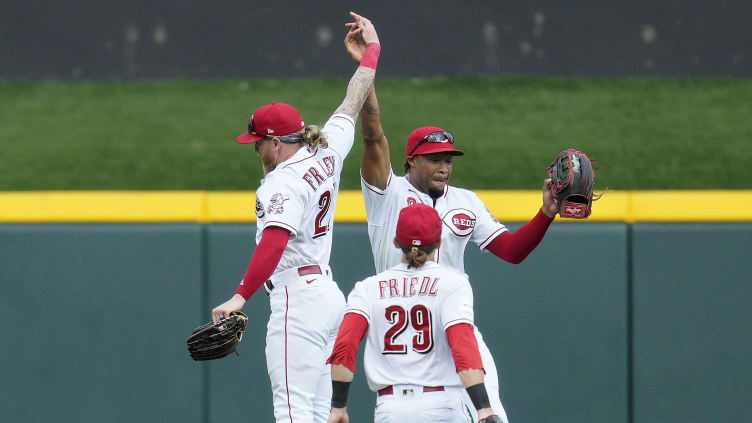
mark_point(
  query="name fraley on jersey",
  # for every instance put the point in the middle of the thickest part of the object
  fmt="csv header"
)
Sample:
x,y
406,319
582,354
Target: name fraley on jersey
x,y
312,175
411,288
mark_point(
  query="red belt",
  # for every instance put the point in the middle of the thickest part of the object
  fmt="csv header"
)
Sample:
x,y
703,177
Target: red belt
x,y
313,269
389,390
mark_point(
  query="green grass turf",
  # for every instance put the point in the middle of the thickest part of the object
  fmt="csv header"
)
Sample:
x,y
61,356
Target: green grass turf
x,y
646,134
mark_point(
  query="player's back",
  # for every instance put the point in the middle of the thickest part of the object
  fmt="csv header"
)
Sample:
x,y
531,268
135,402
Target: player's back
x,y
408,310
300,195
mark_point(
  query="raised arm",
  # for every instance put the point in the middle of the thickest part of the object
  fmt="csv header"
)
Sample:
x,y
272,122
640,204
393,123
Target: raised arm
x,y
362,81
375,163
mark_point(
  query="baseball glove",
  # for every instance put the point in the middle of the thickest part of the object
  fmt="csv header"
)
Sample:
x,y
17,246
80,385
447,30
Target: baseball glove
x,y
212,341
572,179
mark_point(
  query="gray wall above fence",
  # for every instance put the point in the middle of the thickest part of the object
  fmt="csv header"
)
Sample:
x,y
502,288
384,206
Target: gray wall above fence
x,y
106,39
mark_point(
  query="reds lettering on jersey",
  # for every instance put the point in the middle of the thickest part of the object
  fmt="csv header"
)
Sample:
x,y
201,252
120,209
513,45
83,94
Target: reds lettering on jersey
x,y
464,218
300,195
408,311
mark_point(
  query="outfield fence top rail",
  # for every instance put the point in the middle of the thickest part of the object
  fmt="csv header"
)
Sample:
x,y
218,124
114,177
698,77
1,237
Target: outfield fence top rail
x,y
238,206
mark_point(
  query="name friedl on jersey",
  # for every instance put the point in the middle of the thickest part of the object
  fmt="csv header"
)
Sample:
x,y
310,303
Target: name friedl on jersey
x,y
312,175
409,287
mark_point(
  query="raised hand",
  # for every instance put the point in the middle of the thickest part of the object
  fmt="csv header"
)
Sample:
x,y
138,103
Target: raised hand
x,y
354,44
365,29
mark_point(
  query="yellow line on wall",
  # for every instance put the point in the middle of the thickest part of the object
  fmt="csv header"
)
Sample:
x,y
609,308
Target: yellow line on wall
x,y
238,206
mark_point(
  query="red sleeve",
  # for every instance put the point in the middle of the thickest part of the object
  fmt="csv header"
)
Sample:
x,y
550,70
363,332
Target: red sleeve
x,y
464,347
515,247
265,259
351,332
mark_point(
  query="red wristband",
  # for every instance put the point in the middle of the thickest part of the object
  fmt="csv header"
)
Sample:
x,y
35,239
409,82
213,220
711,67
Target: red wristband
x,y
371,56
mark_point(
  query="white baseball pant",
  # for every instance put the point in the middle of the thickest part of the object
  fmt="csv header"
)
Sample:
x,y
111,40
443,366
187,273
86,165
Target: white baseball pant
x,y
491,381
306,312
410,404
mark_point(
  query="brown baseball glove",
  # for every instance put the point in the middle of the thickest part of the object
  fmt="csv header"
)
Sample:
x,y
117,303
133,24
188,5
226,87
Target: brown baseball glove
x,y
572,180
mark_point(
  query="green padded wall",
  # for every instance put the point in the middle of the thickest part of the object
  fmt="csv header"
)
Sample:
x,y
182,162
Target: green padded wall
x,y
556,324
692,323
96,318
94,322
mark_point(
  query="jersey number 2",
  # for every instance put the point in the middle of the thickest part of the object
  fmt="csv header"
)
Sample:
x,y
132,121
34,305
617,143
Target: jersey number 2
x,y
324,201
420,318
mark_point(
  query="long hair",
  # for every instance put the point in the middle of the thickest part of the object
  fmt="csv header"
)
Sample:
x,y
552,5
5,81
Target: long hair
x,y
416,256
312,137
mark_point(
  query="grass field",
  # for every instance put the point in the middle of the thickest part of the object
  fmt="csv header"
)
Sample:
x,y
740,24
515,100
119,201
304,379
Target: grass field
x,y
646,134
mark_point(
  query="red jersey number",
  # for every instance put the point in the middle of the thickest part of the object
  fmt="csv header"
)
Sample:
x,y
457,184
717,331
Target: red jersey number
x,y
320,227
420,319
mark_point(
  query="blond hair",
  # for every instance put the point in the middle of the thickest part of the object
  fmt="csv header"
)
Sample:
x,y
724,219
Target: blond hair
x,y
312,137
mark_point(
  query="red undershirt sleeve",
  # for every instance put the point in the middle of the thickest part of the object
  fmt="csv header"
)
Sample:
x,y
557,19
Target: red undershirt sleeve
x,y
351,332
464,347
265,259
515,247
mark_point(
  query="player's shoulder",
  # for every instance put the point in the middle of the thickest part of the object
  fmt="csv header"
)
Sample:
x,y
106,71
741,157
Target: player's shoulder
x,y
368,283
459,193
339,122
448,275
448,271
299,163
282,179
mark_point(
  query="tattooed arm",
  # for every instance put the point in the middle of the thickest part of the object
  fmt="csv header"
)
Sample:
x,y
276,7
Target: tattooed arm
x,y
374,163
357,91
362,81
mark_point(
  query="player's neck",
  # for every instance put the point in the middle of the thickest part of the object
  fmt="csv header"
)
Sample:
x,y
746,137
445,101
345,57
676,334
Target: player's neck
x,y
417,188
287,151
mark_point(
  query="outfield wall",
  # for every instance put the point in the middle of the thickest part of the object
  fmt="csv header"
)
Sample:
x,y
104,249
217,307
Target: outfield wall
x,y
106,39
605,321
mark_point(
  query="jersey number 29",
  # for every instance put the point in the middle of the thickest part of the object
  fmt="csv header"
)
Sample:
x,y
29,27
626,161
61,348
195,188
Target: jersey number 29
x,y
420,318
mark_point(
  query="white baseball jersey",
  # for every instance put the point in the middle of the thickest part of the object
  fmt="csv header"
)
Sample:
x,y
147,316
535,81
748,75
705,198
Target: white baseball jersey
x,y
300,195
464,218
408,311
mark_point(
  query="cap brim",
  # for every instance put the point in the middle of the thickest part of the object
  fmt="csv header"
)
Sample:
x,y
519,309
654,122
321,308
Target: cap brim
x,y
428,148
248,138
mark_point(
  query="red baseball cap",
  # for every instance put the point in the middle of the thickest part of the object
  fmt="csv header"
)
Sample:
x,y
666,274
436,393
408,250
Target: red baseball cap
x,y
431,139
418,226
276,119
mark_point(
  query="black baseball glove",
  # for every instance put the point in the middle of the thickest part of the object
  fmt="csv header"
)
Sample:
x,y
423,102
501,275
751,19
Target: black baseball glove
x,y
572,179
212,341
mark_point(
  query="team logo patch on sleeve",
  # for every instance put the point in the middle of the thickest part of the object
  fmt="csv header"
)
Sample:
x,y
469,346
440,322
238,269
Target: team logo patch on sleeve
x,y
259,209
275,206
460,221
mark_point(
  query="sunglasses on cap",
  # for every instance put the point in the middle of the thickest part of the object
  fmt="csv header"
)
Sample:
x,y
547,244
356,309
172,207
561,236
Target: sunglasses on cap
x,y
441,137
290,139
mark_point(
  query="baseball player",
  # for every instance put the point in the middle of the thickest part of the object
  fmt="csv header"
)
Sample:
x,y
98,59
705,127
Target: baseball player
x,y
429,155
418,316
294,208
